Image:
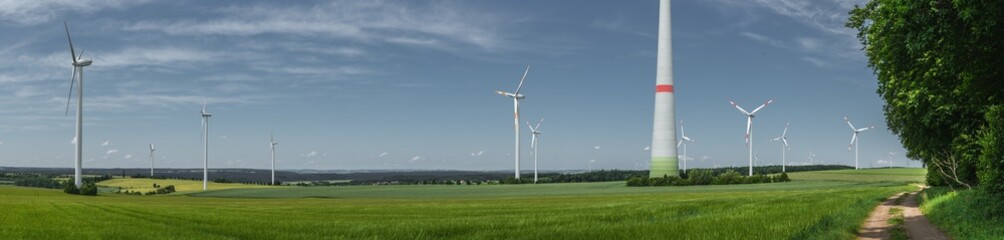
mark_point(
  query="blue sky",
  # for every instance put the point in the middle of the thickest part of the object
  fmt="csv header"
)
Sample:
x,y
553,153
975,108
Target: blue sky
x,y
410,84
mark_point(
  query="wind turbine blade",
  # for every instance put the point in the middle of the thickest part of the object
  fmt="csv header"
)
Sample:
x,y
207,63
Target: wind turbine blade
x,y
740,108
849,124
533,141
762,106
853,137
678,144
532,129
538,124
785,130
865,129
749,124
521,79
776,139
73,53
687,138
785,143
73,79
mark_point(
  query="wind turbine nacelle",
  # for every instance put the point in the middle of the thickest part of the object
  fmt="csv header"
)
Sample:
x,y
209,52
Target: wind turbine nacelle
x,y
519,96
83,63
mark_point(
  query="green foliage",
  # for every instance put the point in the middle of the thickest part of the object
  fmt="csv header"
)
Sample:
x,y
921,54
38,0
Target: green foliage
x,y
991,165
37,181
938,67
964,214
70,188
89,189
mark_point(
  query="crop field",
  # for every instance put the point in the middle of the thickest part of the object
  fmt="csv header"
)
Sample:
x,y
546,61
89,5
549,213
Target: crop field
x,y
181,186
802,209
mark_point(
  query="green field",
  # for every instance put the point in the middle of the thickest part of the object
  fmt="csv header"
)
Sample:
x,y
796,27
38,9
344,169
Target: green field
x,y
181,186
802,209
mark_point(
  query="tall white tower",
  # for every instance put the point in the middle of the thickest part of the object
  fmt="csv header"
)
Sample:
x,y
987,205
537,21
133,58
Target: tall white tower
x,y
664,158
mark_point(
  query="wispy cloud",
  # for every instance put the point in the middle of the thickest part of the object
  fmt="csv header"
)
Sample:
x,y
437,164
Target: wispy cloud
x,y
436,24
416,158
382,154
30,12
127,156
106,143
109,152
310,154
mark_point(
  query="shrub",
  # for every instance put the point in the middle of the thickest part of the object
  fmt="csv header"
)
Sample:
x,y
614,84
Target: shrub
x,y
701,177
990,168
89,190
70,188
729,177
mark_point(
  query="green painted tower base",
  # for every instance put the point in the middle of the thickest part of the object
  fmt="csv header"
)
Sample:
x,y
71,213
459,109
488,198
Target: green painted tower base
x,y
664,166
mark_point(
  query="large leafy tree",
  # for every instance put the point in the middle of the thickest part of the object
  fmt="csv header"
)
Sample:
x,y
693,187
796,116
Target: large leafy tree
x,y
940,67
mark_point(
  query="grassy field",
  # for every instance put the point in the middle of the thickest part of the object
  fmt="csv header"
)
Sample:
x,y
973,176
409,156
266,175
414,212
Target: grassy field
x,y
181,186
804,209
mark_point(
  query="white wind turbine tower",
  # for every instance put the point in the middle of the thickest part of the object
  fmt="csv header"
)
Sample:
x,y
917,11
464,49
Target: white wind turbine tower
x,y
533,144
891,154
151,160
685,138
272,144
812,156
205,141
515,105
854,140
784,148
78,75
749,127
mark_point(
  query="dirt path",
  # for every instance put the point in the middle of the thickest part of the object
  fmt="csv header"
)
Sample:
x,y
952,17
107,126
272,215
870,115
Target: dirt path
x,y
914,223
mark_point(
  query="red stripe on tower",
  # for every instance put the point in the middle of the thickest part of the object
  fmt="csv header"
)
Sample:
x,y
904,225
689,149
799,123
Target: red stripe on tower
x,y
663,88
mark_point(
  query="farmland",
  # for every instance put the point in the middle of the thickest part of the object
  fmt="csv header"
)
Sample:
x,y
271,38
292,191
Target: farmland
x,y
804,208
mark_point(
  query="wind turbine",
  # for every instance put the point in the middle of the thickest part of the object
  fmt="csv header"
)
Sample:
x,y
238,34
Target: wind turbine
x,y
533,144
784,148
272,144
515,105
891,154
854,140
685,139
749,127
77,76
151,160
812,156
205,141
665,161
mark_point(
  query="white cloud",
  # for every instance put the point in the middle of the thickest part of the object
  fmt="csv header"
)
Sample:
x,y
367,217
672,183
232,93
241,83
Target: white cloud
x,y
648,148
416,158
382,154
30,12
311,154
106,143
596,147
156,56
111,151
482,152
223,137
1,142
127,156
432,24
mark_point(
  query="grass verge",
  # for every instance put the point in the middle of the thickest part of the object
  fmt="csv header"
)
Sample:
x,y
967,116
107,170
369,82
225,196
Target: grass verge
x,y
966,214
